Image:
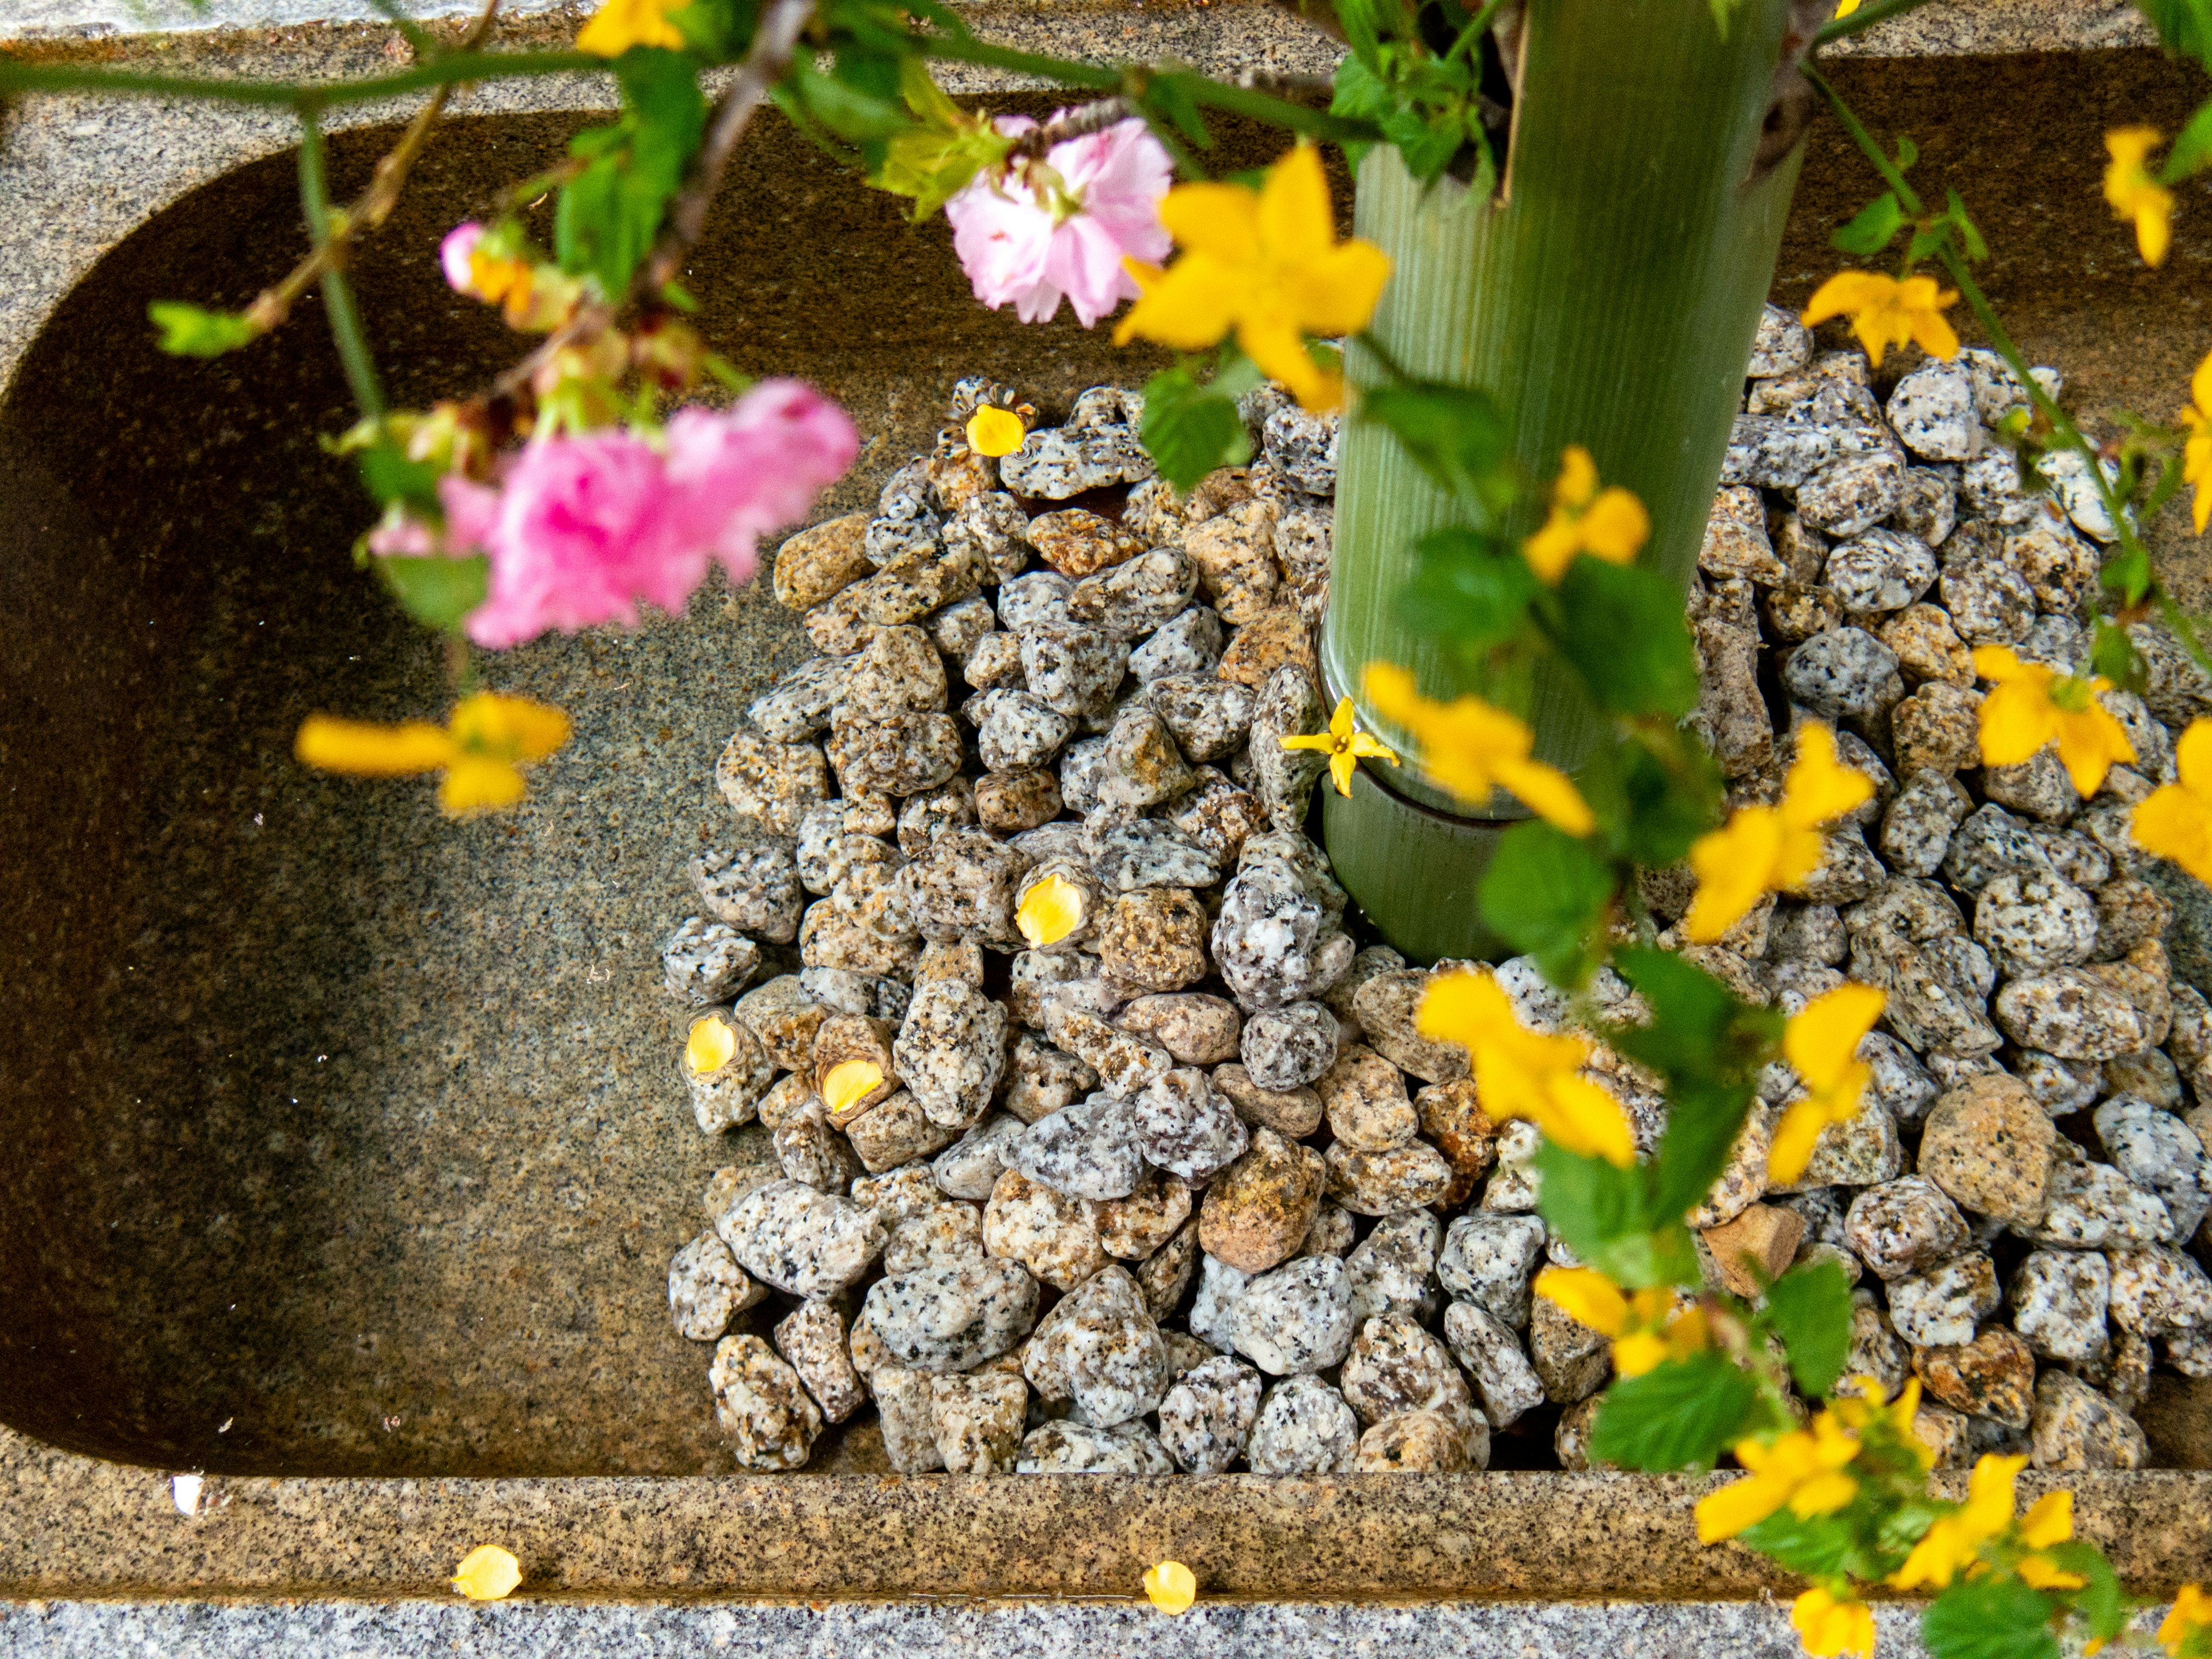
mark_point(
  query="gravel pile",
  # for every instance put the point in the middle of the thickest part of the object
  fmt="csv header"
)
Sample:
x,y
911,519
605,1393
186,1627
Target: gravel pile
x,y
1184,1189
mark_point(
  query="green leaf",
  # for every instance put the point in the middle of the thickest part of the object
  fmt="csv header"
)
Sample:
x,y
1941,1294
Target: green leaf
x,y
2184,26
1656,788
388,475
2192,149
1810,1309
1907,152
610,213
2101,1603
853,113
1993,1618
437,592
1622,627
1872,228
1701,1131
1970,238
191,330
1697,1030
1817,1545
1545,893
1589,1202
1468,589
1456,434
1681,1415
1189,429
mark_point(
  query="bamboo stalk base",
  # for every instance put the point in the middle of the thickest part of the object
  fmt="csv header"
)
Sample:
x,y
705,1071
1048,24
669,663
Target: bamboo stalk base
x,y
1413,870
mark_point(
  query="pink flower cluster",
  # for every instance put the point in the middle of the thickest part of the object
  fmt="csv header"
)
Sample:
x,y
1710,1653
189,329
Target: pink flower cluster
x,y
581,530
1029,246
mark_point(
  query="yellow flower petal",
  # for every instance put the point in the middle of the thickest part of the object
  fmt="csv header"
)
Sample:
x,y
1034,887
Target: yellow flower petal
x,y
1742,1504
621,24
1616,526
849,1082
1795,1135
1586,1120
1822,1041
2041,1572
1818,787
1634,1355
487,1573
1586,1294
1830,1628
1049,911
710,1045
1171,1587
1548,792
1734,866
478,783
992,431
511,728
368,750
2174,821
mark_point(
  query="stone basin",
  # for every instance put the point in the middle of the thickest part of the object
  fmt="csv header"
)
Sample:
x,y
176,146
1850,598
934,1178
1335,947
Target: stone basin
x,y
342,1145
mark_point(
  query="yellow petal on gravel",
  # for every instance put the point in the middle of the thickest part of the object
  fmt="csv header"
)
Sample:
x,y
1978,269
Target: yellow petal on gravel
x,y
488,1573
710,1046
1049,912
1171,1586
848,1081
995,432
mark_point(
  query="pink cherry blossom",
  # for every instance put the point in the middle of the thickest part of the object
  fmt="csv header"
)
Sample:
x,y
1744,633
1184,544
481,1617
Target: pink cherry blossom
x,y
1024,241
453,255
581,530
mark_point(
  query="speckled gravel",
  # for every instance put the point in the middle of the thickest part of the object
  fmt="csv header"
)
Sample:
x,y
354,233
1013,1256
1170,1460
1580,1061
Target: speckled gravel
x,y
1183,1189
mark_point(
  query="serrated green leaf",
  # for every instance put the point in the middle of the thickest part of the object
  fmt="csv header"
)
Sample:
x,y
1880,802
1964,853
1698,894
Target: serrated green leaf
x,y
1545,894
1698,1030
608,215
1468,589
1590,1203
1989,1618
1810,1309
1681,1415
1872,228
191,330
1657,789
1701,1131
1456,434
2103,1606
1621,626
1817,1545
1189,429
437,592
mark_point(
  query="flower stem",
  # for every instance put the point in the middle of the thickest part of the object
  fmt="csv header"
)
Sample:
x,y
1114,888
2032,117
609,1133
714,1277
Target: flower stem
x,y
338,293
450,69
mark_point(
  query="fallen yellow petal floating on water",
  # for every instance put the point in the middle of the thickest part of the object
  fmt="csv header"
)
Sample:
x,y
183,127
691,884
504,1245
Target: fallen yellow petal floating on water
x,y
1049,912
848,1081
711,1044
1171,1586
488,1573
994,431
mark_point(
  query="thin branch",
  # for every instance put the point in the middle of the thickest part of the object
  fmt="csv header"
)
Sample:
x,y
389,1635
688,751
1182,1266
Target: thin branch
x,y
374,204
1876,11
338,293
773,42
450,69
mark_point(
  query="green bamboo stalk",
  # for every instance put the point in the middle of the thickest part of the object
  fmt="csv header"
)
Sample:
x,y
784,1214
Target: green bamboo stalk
x,y
1607,297
448,70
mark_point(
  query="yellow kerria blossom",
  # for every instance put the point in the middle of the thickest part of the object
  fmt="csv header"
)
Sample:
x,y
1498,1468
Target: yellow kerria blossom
x,y
2197,452
1821,1045
1608,524
2033,705
1826,1627
2175,820
1858,1405
1267,264
2135,195
1955,1540
487,1573
1471,748
1646,1328
1762,849
1802,1469
1887,312
1346,746
2191,1614
619,25
480,749
994,431
1522,1073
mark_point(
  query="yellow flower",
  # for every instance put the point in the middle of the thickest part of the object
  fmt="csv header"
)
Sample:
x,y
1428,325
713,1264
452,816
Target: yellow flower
x,y
478,750
2136,195
1345,745
2050,1520
1609,524
1471,748
1858,1405
1826,1627
1887,312
2033,705
994,431
2174,821
2197,453
1267,264
487,1573
1821,1044
619,25
2192,1612
1646,1328
710,1045
1762,849
1955,1540
1803,1469
1171,1587
1522,1073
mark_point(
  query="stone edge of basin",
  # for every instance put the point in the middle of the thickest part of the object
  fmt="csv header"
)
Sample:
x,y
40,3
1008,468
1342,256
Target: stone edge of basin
x,y
76,1527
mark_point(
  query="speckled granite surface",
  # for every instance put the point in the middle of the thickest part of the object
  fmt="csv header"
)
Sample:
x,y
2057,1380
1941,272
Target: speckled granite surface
x,y
376,1171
